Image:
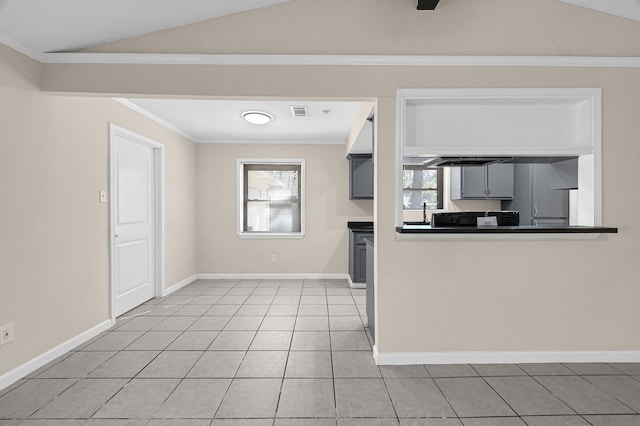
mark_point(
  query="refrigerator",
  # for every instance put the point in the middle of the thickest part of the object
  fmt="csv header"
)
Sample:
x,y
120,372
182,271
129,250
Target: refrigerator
x,y
538,203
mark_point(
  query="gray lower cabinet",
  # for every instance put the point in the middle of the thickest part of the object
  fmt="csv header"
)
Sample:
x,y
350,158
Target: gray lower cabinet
x,y
535,199
358,255
494,181
360,176
370,293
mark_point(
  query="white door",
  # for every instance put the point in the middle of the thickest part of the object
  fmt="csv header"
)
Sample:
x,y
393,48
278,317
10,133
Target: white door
x,y
134,257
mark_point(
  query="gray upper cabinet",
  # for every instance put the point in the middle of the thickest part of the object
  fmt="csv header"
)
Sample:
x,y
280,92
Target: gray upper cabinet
x,y
500,181
494,181
360,176
472,182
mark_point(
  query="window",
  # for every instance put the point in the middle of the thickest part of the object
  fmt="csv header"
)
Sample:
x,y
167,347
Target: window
x,y
421,185
271,194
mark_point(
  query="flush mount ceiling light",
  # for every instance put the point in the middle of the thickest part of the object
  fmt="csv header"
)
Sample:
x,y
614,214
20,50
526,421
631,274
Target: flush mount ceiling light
x,y
257,117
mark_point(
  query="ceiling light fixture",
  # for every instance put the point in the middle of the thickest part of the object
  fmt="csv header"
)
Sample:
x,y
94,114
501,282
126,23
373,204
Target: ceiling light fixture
x,y
257,117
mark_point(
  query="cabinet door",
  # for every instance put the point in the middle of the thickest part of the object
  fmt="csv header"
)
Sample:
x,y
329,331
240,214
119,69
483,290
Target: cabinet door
x,y
522,195
500,181
361,177
560,221
352,255
474,184
547,202
370,292
361,263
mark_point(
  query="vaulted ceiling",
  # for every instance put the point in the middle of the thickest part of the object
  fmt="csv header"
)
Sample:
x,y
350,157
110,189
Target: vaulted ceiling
x,y
37,26
65,25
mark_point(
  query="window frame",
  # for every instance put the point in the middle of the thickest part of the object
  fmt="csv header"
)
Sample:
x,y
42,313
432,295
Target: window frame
x,y
439,190
241,202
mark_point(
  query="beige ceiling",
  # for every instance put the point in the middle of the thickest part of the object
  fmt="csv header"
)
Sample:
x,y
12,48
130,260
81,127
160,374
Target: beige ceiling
x,y
37,26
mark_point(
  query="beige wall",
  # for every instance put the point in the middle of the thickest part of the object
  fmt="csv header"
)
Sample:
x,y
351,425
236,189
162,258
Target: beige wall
x,y
476,295
481,295
443,295
54,252
324,248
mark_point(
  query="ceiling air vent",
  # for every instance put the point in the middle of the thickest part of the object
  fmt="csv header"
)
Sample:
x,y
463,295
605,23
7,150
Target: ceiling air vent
x,y
299,111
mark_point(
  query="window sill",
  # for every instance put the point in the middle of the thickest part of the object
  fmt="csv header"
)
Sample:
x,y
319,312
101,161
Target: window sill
x,y
269,236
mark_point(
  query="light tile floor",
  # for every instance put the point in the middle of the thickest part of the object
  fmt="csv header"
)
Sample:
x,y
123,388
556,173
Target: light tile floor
x,y
295,353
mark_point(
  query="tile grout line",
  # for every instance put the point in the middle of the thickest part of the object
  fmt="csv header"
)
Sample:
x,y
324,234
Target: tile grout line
x,y
333,374
498,393
444,395
156,357
606,393
275,411
215,413
549,390
558,396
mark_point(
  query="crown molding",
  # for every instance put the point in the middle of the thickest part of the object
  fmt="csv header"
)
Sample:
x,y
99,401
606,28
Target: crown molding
x,y
342,60
326,60
155,118
21,48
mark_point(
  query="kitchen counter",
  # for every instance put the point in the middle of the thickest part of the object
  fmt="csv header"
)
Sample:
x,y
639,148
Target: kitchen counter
x,y
360,226
530,229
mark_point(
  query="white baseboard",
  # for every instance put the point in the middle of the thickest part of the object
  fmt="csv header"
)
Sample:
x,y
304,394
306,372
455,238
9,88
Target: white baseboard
x,y
355,285
177,286
414,358
273,276
50,355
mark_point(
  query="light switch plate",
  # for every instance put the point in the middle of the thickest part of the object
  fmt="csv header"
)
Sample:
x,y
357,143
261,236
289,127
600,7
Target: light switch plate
x,y
103,196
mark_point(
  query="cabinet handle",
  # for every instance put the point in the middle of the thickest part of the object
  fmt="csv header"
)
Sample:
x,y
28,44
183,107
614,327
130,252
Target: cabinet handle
x,y
535,211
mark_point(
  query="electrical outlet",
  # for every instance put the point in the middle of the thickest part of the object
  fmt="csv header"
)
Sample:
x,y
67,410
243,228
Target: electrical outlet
x,y
274,259
6,334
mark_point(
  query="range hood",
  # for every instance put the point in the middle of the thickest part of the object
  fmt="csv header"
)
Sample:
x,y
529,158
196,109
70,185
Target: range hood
x,y
463,161
468,161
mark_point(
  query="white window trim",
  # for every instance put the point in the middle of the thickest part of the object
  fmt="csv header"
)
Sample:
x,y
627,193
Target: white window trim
x,y
240,198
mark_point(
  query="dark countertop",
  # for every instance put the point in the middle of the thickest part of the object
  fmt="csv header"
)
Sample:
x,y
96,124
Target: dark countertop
x,y
427,229
360,226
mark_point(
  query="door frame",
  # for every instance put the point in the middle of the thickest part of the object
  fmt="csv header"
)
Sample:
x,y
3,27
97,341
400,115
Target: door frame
x,y
159,217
